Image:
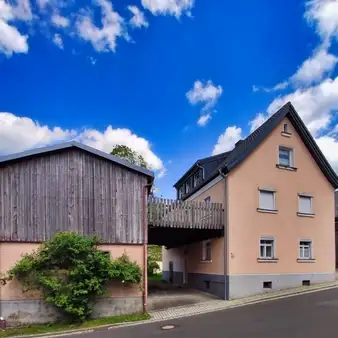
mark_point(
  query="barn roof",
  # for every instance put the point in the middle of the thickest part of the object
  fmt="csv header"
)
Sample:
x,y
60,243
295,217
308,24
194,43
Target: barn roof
x,y
77,145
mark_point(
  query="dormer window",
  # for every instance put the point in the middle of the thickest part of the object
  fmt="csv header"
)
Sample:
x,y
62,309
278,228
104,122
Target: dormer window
x,y
188,186
196,179
181,192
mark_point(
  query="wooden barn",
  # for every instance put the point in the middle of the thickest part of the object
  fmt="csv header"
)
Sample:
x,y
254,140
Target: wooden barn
x,y
71,187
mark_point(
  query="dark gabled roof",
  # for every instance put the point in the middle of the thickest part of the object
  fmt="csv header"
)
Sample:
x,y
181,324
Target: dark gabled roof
x,y
243,149
74,144
208,163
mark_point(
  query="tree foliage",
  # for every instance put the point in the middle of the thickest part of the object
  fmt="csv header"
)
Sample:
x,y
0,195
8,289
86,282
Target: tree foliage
x,y
70,272
130,155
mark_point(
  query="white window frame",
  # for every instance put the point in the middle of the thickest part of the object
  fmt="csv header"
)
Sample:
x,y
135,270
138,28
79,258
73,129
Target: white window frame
x,y
196,181
181,191
188,183
291,156
204,257
303,195
273,248
301,255
267,190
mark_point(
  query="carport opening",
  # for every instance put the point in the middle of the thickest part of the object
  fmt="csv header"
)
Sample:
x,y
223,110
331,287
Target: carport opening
x,y
306,282
267,285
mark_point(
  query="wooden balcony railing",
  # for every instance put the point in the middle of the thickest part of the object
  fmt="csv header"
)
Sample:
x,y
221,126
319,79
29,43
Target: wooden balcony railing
x,y
188,214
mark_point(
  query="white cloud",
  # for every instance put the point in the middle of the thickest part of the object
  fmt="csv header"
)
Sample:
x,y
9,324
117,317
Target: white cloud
x,y
138,19
58,40
315,68
102,38
11,40
329,147
257,121
207,94
22,10
92,60
203,120
22,133
324,14
169,7
60,21
227,140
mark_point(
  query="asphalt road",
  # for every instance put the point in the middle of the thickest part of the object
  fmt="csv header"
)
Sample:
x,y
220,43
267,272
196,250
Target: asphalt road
x,y
312,315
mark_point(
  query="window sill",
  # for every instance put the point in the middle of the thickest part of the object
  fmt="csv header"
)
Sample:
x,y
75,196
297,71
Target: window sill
x,y
286,134
306,260
267,211
279,166
205,262
267,260
300,214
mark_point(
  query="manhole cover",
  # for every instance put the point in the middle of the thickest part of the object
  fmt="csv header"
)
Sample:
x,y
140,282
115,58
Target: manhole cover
x,y
168,327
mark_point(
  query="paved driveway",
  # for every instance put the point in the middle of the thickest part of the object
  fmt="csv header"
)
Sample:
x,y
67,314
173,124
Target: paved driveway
x,y
312,315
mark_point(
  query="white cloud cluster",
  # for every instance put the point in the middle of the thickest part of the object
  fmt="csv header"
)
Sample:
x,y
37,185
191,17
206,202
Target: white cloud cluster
x,y
22,133
11,40
60,21
102,38
138,19
169,7
206,94
227,140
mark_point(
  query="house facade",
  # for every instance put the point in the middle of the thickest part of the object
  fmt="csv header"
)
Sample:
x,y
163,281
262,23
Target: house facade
x,y
71,187
277,189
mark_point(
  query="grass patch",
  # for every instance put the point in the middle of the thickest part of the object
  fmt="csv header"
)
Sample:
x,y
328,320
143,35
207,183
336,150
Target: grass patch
x,y
155,277
52,328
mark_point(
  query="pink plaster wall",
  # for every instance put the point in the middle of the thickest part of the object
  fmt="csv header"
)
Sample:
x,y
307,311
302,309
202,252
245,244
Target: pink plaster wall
x,y
11,252
216,266
246,225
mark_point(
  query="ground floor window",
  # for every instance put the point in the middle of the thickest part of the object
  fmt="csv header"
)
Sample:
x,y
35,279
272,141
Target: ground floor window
x,y
206,251
305,249
267,248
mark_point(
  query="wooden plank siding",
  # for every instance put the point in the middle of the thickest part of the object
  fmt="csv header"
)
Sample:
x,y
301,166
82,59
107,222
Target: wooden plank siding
x,y
185,214
70,190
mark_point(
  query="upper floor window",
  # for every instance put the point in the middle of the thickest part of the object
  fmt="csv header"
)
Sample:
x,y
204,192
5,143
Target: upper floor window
x,y
181,192
286,157
305,204
267,200
286,128
188,186
196,179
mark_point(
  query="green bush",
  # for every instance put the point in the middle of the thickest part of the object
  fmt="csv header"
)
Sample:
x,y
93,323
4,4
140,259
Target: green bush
x,y
151,267
71,272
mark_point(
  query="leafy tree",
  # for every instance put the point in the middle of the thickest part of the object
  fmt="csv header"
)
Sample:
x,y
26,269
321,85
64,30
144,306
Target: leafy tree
x,y
130,155
71,272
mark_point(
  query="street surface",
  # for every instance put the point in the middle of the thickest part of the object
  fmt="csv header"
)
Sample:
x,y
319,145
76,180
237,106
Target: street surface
x,y
312,315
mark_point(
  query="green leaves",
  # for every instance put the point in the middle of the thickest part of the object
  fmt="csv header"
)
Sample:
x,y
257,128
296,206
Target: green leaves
x,y
130,155
70,271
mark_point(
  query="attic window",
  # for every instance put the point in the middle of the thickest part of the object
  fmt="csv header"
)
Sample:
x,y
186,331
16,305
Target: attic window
x,y
196,179
286,131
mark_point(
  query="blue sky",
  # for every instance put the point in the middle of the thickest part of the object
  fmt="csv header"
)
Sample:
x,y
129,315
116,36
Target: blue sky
x,y
175,80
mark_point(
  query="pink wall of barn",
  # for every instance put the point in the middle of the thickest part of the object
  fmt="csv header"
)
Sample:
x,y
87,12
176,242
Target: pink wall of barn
x,y
246,225
12,252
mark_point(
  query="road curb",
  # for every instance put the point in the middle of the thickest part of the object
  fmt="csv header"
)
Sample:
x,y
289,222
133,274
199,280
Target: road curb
x,y
150,321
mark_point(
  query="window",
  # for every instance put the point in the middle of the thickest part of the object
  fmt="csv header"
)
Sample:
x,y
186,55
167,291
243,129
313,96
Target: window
x,y
181,192
286,128
206,251
285,157
267,248
207,199
305,205
267,200
305,249
196,179
188,186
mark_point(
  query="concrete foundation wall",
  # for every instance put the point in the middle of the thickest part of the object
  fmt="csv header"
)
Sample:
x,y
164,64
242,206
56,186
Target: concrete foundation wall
x,y
214,284
36,311
248,285
177,277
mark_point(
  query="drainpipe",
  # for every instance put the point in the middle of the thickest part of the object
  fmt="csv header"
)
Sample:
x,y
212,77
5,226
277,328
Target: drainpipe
x,y
226,235
145,254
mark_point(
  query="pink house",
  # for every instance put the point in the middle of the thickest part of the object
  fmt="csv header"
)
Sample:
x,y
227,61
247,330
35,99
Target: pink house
x,y
277,189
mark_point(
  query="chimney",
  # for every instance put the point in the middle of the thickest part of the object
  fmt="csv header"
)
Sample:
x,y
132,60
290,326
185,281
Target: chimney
x,y
238,143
